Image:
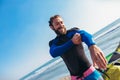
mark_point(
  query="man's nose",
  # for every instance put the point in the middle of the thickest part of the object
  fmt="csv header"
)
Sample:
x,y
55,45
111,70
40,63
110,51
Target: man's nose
x,y
60,24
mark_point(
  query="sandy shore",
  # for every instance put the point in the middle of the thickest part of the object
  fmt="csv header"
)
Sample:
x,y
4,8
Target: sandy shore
x,y
65,78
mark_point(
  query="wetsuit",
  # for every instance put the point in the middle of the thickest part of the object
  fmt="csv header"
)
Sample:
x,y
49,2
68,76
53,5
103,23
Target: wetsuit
x,y
73,55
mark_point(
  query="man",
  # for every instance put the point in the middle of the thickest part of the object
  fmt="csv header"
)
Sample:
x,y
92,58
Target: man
x,y
68,45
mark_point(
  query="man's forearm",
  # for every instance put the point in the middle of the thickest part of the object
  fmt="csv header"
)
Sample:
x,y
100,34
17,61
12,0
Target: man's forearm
x,y
59,50
98,57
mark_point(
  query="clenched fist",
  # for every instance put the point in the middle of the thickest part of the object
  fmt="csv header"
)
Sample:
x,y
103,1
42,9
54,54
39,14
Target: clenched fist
x,y
76,39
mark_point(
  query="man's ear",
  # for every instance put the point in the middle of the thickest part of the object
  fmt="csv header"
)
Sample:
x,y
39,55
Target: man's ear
x,y
52,27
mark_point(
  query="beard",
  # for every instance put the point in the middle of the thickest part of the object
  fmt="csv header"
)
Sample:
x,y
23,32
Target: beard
x,y
58,32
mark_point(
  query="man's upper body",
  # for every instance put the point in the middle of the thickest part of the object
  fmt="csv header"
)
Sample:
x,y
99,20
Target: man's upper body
x,y
68,45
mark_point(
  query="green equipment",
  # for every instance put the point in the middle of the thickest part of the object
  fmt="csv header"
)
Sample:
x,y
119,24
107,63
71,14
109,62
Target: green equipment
x,y
113,68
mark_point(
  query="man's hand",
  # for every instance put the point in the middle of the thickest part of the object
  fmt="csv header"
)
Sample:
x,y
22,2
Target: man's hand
x,y
76,39
98,57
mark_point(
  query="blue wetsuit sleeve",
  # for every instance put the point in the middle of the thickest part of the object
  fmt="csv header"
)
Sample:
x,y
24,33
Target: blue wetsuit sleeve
x,y
87,38
59,50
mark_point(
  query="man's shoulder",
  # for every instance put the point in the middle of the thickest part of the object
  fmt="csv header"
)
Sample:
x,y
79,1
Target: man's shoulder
x,y
51,41
74,29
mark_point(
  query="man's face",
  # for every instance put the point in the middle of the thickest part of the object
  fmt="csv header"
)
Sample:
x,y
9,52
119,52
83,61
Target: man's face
x,y
58,26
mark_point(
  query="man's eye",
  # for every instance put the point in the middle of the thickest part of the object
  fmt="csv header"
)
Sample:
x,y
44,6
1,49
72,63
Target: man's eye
x,y
61,22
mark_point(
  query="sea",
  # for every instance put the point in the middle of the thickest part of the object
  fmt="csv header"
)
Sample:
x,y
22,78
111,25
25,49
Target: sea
x,y
108,38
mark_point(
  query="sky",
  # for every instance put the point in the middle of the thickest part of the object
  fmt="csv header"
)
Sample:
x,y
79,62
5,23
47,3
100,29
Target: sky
x,y
25,32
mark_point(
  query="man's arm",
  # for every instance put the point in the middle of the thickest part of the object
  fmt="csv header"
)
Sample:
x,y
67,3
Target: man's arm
x,y
96,53
87,38
98,57
59,50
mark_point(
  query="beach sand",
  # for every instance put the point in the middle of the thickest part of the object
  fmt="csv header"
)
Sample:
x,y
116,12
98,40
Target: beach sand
x,y
65,78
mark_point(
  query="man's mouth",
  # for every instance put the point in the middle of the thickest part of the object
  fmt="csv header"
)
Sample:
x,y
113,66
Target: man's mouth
x,y
60,28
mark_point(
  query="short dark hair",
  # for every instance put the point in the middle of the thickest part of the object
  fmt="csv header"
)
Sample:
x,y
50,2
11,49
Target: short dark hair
x,y
51,19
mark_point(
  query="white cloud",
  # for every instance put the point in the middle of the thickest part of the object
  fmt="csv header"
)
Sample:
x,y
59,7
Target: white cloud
x,y
91,15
